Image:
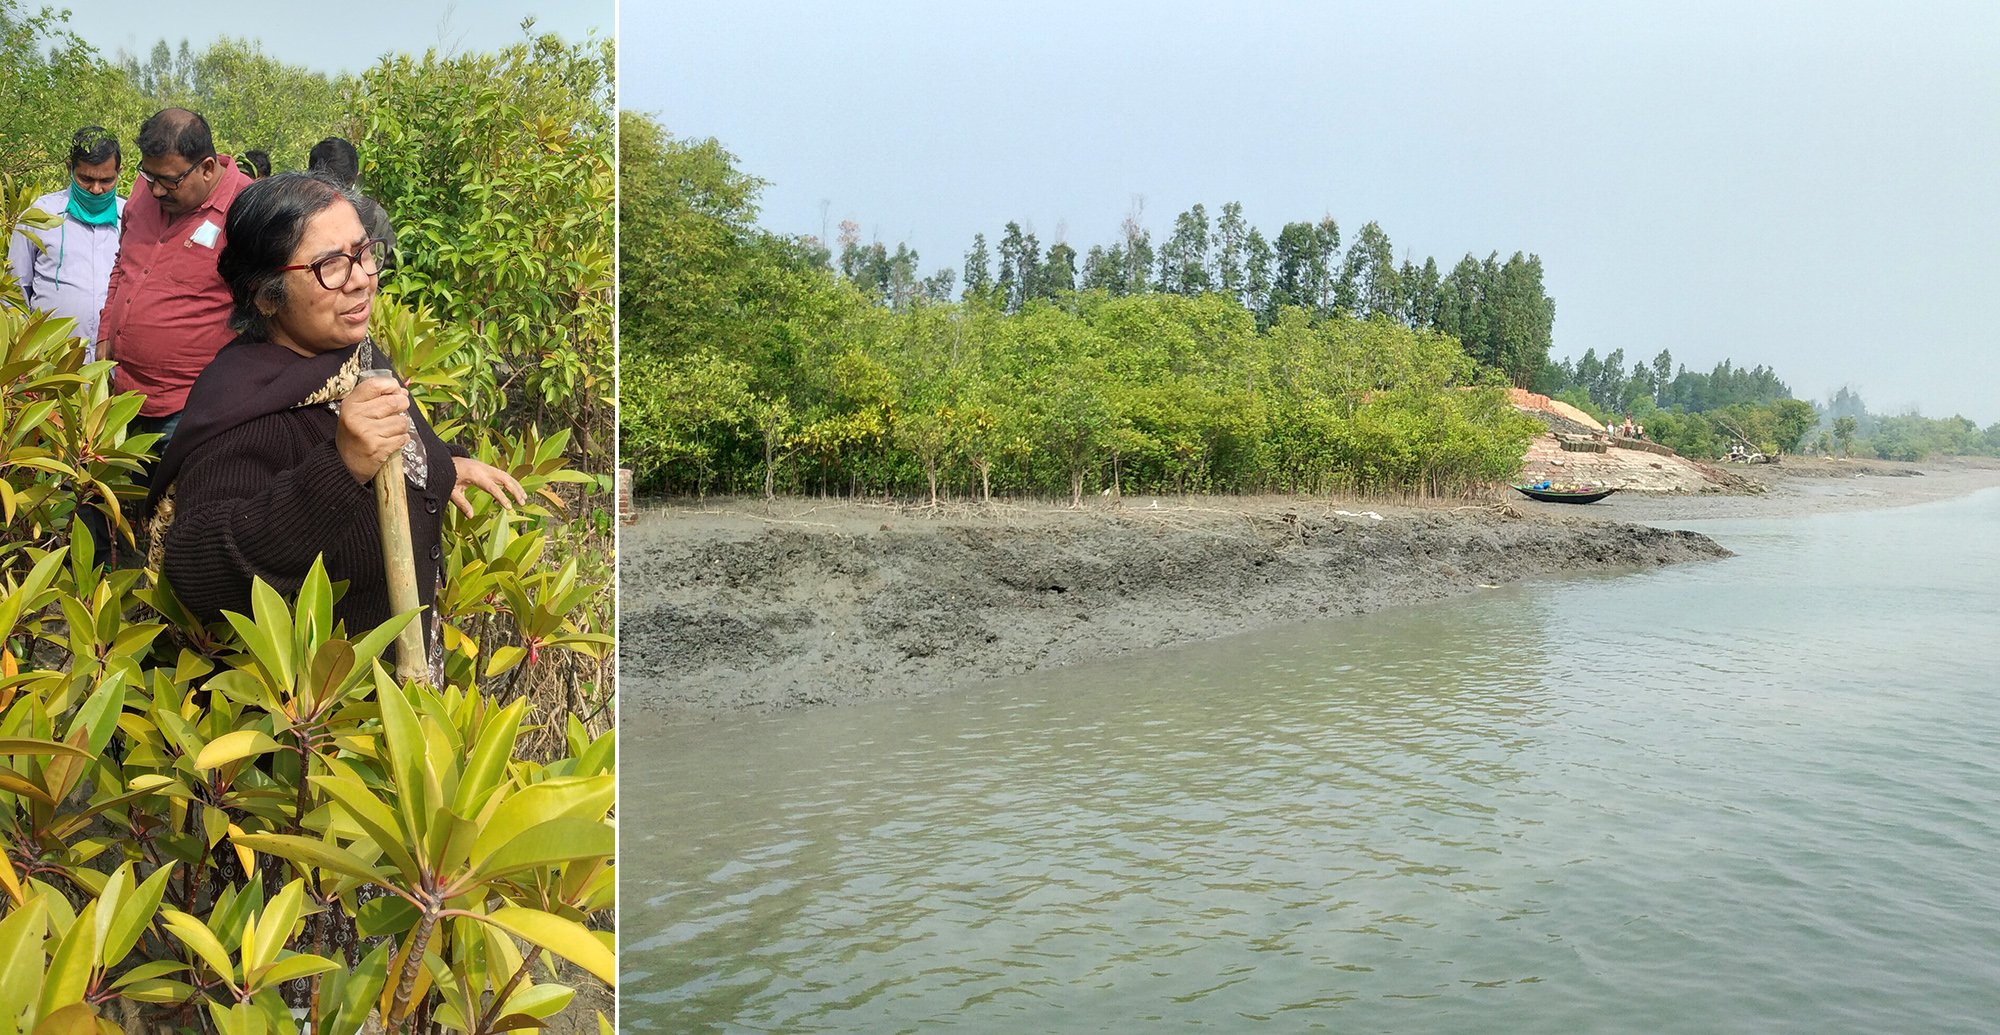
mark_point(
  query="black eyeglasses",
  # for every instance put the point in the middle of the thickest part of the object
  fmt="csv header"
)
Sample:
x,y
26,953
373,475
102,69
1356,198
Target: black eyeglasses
x,y
169,182
333,271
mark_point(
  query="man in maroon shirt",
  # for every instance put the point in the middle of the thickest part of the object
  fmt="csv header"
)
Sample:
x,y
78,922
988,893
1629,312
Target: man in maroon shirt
x,y
166,313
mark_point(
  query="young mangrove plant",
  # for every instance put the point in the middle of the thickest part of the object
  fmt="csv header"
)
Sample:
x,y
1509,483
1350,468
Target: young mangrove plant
x,y
248,827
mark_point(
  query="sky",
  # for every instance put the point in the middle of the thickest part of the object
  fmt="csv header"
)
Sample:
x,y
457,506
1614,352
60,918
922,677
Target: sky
x,y
343,37
1812,186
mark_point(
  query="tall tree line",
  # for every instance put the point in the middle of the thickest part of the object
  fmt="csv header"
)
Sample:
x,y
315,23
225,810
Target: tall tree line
x,y
752,361
1608,385
1497,309
52,82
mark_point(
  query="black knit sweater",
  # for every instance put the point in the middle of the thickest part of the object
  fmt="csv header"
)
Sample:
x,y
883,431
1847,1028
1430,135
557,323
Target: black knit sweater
x,y
265,498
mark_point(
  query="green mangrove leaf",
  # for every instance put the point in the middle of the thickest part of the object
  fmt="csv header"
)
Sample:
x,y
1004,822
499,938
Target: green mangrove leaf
x,y
232,747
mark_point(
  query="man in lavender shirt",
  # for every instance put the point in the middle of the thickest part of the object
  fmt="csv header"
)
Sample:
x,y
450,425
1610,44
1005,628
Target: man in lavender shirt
x,y
69,274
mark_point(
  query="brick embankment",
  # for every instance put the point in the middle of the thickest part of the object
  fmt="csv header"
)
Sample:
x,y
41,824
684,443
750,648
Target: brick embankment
x,y
1576,452
1643,446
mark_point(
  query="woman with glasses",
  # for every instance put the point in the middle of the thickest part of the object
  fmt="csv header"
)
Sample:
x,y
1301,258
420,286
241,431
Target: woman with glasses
x,y
284,431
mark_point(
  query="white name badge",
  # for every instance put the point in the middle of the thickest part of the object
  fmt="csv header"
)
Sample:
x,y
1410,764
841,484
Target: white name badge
x,y
205,234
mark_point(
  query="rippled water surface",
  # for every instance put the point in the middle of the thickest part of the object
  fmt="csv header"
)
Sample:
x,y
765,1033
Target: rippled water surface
x,y
1760,794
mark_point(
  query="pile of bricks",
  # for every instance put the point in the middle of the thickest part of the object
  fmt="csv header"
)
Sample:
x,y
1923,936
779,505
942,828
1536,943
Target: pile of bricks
x,y
1643,446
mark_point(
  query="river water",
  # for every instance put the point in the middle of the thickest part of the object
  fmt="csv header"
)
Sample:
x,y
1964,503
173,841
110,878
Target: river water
x,y
1757,794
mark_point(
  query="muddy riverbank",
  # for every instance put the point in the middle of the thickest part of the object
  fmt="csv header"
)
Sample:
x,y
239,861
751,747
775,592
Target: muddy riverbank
x,y
1797,486
729,606
738,605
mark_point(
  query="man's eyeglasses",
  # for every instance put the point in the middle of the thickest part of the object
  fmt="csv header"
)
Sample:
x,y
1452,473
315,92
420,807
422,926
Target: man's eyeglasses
x,y
333,271
171,183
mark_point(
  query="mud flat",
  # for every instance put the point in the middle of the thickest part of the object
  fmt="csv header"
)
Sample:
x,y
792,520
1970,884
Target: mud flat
x,y
737,606
1797,486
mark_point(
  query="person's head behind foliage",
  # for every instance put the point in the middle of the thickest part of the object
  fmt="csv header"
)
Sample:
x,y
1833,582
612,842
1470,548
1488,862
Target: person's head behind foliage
x,y
337,157
258,162
94,145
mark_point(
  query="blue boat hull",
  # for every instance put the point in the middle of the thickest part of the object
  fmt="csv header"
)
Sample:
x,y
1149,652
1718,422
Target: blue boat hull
x,y
1564,496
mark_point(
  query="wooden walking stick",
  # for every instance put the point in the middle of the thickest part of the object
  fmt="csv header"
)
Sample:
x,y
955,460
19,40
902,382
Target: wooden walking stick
x,y
399,558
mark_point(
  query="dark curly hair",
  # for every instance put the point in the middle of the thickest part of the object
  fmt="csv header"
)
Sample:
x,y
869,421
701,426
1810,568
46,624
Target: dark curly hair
x,y
94,145
265,224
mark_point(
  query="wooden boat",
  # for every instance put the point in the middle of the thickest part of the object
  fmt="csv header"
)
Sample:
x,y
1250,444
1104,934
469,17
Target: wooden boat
x,y
1564,495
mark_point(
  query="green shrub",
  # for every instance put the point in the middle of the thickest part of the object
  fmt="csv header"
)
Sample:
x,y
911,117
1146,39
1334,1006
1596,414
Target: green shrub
x,y
51,84
209,826
203,822
498,170
749,366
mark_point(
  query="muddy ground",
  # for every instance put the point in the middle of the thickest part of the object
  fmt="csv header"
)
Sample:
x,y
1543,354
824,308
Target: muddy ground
x,y
734,606
1797,486
738,605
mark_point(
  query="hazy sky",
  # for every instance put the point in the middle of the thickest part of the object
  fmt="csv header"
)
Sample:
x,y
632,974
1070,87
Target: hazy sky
x,y
1815,186
331,37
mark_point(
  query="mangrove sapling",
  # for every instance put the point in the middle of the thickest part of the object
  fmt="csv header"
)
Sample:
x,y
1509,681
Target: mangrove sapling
x,y
127,747
143,752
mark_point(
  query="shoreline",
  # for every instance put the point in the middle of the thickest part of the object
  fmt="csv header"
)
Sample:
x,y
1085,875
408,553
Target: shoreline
x,y
1804,486
734,606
